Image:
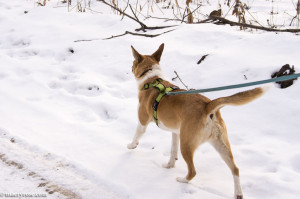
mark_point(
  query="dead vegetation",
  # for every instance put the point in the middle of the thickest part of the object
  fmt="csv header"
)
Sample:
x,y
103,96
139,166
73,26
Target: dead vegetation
x,y
239,12
236,13
296,18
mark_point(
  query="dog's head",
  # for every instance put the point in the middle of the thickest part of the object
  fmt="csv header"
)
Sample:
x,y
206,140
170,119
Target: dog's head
x,y
142,64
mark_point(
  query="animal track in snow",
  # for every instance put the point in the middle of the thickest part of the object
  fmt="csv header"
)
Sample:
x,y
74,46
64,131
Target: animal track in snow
x,y
73,86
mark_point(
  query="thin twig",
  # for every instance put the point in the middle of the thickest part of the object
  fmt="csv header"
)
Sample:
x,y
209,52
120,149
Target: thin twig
x,y
163,18
138,34
133,13
183,15
40,4
293,20
127,15
190,13
126,33
175,15
125,9
81,40
229,10
115,36
180,80
143,26
93,11
156,27
253,18
159,8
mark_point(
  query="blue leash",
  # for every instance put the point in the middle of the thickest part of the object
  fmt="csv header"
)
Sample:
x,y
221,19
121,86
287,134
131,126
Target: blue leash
x,y
278,79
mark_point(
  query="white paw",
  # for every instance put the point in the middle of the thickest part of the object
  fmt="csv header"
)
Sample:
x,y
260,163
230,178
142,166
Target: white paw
x,y
168,165
132,145
182,180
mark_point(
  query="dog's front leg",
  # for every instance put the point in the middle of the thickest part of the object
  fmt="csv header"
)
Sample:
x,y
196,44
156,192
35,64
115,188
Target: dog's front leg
x,y
140,130
174,151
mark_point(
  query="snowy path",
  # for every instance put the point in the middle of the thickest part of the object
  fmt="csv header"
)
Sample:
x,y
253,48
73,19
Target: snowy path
x,y
27,170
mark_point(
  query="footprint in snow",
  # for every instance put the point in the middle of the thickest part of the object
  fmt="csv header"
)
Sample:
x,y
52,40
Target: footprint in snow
x,y
76,88
90,91
20,42
188,190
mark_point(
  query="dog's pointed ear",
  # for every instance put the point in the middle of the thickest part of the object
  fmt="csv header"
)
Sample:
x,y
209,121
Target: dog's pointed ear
x,y
158,53
136,55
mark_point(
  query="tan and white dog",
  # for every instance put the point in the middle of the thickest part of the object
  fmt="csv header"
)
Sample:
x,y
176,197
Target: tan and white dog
x,y
193,118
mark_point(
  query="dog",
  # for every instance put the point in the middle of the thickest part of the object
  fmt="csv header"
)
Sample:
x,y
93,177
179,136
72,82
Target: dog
x,y
193,118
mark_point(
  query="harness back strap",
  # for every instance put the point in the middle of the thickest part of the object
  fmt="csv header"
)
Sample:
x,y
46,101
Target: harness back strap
x,y
162,92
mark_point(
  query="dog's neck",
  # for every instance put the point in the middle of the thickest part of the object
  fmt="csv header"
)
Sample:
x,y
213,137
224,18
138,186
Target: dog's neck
x,y
154,73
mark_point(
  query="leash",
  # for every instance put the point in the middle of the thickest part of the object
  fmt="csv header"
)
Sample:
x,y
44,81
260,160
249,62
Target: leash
x,y
277,79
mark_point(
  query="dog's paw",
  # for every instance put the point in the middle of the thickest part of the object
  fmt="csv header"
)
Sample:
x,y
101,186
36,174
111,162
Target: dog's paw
x,y
132,145
239,197
182,180
168,165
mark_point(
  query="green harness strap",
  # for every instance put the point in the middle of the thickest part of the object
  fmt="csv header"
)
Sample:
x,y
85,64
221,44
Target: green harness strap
x,y
162,92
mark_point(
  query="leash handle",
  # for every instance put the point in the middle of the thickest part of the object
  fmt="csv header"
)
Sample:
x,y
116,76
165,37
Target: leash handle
x,y
277,79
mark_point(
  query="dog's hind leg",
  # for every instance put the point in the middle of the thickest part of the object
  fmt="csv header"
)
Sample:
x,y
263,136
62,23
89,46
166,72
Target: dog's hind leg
x,y
221,144
174,151
140,130
188,147
188,155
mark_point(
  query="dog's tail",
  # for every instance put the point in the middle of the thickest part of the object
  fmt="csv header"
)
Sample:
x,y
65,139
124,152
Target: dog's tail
x,y
236,99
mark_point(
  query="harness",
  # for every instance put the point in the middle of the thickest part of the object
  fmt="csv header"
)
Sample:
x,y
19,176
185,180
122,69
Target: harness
x,y
162,92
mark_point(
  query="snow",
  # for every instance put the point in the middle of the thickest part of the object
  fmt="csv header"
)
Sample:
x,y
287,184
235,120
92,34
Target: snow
x,y
68,117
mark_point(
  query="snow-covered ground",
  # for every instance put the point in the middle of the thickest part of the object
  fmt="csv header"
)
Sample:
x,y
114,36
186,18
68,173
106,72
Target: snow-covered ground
x,y
68,109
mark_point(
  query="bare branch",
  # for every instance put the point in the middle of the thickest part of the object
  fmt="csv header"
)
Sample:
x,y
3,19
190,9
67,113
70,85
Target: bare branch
x,y
222,21
143,26
115,36
119,10
155,27
183,15
163,18
138,34
177,76
126,33
81,40
125,9
189,13
135,18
